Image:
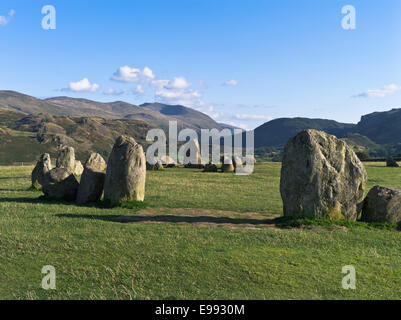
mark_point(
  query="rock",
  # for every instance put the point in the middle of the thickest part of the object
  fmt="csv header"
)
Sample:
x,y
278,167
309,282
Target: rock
x,y
390,162
38,174
59,183
92,180
237,162
321,177
95,162
382,204
250,159
91,186
66,159
210,168
227,164
126,172
79,169
157,166
167,161
193,161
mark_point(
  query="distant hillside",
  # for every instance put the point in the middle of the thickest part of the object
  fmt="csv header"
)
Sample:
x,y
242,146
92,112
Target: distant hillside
x,y
156,114
24,137
277,132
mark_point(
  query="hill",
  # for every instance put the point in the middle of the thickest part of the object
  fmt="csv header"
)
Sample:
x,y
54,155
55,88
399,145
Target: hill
x,y
24,137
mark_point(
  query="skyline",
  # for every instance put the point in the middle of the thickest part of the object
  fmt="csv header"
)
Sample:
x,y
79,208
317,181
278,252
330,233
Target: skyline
x,y
241,63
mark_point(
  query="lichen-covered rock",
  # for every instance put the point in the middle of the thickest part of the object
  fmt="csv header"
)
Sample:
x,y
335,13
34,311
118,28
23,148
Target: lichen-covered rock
x,y
92,180
382,204
126,172
321,177
227,164
38,174
390,162
95,162
79,169
59,183
66,159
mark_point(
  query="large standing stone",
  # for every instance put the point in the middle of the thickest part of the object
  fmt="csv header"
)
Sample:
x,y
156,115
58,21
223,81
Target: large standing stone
x,y
42,167
193,155
92,180
59,183
126,172
79,169
321,177
66,159
382,204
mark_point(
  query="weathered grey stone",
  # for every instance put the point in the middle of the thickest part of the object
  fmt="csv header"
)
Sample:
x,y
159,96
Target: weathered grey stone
x,y
167,161
193,161
237,162
95,162
59,183
91,186
390,162
157,166
250,159
79,169
66,159
126,172
38,174
382,204
321,177
227,164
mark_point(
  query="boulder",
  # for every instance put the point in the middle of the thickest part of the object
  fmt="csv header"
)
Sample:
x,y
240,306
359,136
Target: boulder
x,y
79,169
250,159
95,162
92,180
210,168
38,174
321,177
382,204
126,172
59,183
227,164
66,159
237,162
390,162
157,166
167,161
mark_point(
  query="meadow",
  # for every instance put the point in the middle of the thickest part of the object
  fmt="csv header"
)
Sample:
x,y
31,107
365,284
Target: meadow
x,y
198,236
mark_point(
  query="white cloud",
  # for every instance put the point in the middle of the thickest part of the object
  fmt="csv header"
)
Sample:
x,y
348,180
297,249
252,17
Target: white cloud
x,y
128,74
4,20
380,93
83,85
230,83
113,92
138,90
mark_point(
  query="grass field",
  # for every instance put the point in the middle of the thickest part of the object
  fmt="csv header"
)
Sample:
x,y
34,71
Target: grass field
x,y
201,236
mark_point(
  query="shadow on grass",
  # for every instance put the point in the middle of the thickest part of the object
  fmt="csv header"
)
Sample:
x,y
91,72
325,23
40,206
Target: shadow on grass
x,y
280,222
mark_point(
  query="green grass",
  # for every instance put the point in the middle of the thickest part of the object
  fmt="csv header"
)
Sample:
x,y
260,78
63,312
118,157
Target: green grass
x,y
97,258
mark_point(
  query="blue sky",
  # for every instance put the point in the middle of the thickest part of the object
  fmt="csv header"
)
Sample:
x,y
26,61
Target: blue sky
x,y
242,62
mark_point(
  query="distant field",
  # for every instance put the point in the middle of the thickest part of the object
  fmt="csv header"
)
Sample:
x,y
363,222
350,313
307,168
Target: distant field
x,y
202,236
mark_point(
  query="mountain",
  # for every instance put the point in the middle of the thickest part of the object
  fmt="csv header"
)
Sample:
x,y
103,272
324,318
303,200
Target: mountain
x,y
277,132
24,137
156,114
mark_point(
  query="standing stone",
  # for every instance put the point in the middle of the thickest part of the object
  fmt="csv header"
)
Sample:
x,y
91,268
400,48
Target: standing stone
x,y
126,172
79,169
193,160
321,177
390,162
92,180
382,204
237,162
42,167
95,162
66,159
227,164
59,183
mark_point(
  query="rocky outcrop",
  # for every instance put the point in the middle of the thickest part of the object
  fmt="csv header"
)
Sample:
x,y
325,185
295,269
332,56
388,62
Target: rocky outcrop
x,y
321,177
